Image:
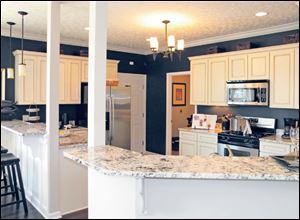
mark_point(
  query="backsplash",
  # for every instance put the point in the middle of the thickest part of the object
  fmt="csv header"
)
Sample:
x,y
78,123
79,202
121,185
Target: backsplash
x,y
252,111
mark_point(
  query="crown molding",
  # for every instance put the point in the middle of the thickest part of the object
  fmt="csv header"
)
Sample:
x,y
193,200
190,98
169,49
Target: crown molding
x,y
206,41
69,41
243,35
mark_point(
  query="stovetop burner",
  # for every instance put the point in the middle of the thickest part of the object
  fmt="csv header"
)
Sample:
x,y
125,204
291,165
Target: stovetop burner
x,y
240,134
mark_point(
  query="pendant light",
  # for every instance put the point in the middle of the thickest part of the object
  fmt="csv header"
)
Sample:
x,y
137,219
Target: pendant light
x,y
10,70
22,65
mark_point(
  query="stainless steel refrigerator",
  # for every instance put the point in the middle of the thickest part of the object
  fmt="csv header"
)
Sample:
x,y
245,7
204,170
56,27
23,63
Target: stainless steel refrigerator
x,y
118,115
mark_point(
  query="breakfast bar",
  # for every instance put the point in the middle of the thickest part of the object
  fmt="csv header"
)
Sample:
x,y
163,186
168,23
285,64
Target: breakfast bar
x,y
155,186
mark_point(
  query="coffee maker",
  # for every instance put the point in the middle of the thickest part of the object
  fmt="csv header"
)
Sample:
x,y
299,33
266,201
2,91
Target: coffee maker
x,y
288,123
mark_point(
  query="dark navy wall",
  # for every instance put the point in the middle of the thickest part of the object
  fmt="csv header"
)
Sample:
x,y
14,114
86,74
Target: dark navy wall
x,y
75,112
156,90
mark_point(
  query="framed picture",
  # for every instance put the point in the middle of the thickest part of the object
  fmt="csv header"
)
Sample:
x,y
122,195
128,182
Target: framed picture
x,y
178,94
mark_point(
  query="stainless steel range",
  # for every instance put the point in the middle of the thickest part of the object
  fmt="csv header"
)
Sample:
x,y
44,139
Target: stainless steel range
x,y
237,143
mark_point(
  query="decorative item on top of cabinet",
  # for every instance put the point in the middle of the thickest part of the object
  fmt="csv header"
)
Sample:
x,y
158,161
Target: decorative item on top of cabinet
x,y
282,76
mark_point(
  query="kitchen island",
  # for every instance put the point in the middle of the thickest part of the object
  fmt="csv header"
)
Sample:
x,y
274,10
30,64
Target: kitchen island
x,y
126,184
28,141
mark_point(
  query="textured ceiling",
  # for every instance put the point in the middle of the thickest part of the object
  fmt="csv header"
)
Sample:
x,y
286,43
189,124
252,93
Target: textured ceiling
x,y
131,23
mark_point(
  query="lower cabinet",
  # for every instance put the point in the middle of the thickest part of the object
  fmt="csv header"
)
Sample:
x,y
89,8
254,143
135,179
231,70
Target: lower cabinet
x,y
195,143
274,149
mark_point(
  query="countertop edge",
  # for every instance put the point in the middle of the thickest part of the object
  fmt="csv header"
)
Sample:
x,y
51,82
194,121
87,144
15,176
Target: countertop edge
x,y
194,176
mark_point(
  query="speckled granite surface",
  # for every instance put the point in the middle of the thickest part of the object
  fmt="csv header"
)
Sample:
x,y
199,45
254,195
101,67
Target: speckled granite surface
x,y
76,137
189,129
115,161
276,139
24,128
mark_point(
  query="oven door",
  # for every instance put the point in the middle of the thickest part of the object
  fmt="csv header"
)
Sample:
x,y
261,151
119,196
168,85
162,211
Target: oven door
x,y
237,151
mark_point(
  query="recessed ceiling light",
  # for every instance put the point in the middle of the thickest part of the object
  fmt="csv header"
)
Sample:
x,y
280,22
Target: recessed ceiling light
x,y
87,28
261,14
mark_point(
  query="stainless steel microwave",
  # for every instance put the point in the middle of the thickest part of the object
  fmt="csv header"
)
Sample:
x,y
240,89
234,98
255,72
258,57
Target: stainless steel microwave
x,y
248,92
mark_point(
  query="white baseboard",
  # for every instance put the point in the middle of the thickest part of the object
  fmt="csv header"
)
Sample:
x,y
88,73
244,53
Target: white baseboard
x,y
76,210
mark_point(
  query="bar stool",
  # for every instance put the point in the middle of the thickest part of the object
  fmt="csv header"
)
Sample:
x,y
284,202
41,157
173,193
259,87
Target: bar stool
x,y
4,176
12,165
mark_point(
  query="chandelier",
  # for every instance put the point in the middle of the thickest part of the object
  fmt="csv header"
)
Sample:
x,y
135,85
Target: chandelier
x,y
170,49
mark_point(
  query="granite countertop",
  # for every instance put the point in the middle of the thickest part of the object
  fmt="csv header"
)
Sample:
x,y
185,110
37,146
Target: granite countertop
x,y
115,161
189,129
24,128
276,139
77,137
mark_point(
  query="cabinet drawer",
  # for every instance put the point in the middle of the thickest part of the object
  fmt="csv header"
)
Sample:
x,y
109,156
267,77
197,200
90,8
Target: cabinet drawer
x,y
275,149
188,135
206,138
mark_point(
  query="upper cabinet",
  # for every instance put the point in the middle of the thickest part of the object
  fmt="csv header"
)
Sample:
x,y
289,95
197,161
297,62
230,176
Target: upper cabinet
x,y
238,67
279,64
217,77
258,65
31,89
282,69
199,81
111,70
296,92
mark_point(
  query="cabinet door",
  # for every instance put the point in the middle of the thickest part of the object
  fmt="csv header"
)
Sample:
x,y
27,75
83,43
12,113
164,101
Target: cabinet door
x,y
25,85
259,65
296,104
238,69
217,77
40,82
84,71
63,82
282,78
74,83
188,148
111,70
205,149
199,80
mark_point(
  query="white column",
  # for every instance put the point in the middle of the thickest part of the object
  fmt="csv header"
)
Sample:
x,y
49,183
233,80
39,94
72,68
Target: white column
x,y
97,73
52,107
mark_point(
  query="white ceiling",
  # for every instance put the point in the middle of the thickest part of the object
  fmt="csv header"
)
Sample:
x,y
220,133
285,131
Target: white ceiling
x,y
131,23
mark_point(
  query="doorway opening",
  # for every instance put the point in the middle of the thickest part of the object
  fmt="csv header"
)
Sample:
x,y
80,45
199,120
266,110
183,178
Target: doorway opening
x,y
178,108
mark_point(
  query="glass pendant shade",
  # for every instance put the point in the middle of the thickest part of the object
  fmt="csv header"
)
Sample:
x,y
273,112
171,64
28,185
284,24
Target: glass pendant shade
x,y
10,73
22,69
180,45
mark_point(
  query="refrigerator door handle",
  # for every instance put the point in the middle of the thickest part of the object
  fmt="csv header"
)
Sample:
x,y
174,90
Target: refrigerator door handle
x,y
110,120
113,118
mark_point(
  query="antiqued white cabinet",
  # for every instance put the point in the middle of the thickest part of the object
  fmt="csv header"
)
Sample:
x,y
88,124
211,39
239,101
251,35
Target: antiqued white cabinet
x,y
111,70
217,78
238,67
31,89
282,76
70,80
199,81
296,92
27,87
258,65
192,143
84,71
274,149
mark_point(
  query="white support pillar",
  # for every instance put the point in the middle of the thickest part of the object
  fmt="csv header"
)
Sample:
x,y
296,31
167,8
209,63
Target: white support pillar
x,y
97,73
52,108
